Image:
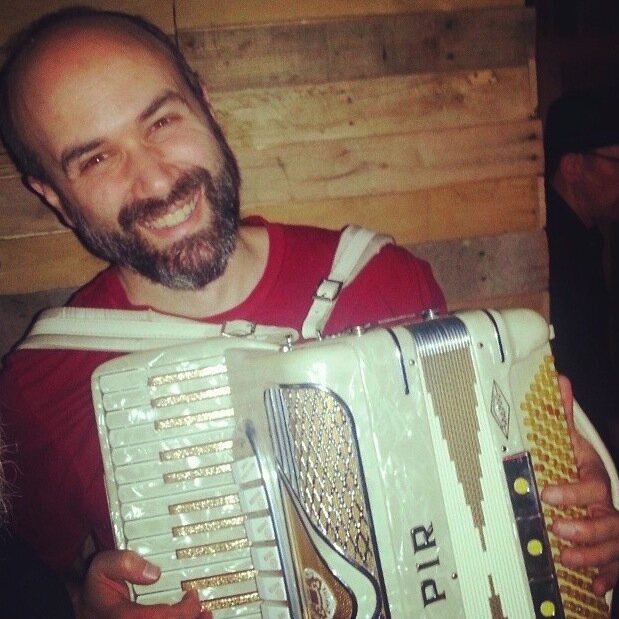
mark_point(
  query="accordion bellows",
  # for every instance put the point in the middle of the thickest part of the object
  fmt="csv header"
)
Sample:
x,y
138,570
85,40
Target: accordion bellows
x,y
388,472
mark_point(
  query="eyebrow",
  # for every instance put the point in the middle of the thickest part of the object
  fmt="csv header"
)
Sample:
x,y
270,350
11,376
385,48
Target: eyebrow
x,y
72,153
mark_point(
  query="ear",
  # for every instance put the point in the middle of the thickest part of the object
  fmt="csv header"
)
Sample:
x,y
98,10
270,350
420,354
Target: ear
x,y
50,197
570,166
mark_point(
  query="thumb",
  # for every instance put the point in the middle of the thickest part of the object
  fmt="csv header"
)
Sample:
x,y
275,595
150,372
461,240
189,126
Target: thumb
x,y
124,565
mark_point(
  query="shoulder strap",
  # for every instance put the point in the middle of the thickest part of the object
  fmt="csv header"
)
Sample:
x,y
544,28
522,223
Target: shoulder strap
x,y
356,248
81,328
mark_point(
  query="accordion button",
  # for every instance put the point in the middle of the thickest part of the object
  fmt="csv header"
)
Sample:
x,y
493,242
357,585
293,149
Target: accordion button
x,y
548,609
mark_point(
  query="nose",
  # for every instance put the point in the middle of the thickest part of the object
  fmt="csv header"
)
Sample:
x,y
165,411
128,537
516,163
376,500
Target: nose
x,y
152,176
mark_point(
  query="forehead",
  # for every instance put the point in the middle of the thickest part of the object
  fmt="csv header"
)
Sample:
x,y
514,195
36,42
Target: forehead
x,y
75,74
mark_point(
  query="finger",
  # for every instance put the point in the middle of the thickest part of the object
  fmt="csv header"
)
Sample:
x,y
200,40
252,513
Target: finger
x,y
606,578
590,531
582,556
589,491
125,565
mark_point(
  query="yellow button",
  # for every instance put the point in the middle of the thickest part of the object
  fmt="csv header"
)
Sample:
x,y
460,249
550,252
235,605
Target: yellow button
x,y
547,608
535,548
521,486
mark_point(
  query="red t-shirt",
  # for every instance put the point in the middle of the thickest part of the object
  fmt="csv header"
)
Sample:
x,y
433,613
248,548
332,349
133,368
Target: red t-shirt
x,y
45,399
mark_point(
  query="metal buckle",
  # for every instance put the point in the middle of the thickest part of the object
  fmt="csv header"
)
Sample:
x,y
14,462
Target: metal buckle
x,y
238,328
328,290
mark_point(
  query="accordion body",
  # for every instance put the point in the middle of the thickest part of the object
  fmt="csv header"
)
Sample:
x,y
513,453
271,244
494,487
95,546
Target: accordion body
x,y
390,472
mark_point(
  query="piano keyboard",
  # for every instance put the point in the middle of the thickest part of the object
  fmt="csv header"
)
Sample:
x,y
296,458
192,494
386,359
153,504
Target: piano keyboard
x,y
179,497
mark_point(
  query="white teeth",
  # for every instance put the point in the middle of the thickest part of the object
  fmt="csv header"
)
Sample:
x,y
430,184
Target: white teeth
x,y
174,219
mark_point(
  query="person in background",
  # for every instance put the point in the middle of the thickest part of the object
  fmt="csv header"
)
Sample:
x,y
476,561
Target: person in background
x,y
582,196
111,127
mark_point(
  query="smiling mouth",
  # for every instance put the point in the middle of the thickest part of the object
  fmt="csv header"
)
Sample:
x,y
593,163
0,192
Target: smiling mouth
x,y
175,218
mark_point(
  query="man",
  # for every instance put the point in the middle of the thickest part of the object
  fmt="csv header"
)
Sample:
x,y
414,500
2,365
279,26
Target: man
x,y
582,172
114,131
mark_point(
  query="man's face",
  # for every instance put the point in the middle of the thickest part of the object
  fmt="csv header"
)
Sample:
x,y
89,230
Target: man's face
x,y
600,182
133,162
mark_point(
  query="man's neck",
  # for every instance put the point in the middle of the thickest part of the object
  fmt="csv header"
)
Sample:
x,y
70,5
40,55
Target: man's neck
x,y
242,274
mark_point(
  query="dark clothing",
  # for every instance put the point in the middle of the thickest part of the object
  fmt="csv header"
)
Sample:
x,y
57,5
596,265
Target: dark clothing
x,y
580,311
28,590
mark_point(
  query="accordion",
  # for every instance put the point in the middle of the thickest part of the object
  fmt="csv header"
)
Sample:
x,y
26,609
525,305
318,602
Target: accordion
x,y
388,472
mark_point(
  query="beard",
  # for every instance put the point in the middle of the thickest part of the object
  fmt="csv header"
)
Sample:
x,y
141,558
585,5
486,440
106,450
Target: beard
x,y
189,263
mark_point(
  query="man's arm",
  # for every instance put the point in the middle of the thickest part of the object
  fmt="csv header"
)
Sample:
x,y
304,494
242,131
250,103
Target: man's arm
x,y
595,539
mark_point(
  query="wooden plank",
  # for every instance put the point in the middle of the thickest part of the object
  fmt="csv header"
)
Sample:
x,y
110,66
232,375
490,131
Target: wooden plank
x,y
481,208
265,117
316,171
44,263
17,15
487,267
192,14
375,46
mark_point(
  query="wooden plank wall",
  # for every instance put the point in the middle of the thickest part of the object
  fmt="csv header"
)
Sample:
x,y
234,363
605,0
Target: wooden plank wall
x,y
414,117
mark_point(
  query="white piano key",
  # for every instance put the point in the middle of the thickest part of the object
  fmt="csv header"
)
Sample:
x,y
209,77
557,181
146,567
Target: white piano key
x,y
266,558
246,611
212,503
128,398
271,587
225,500
191,573
115,420
246,470
173,422
156,450
217,563
127,493
176,524
260,529
156,544
253,499
122,381
174,470
274,610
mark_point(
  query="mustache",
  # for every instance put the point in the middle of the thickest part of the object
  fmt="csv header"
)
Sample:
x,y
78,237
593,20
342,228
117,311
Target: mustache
x,y
151,208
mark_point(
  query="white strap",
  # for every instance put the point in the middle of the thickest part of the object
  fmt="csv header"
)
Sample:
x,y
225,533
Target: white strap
x,y
81,328
356,248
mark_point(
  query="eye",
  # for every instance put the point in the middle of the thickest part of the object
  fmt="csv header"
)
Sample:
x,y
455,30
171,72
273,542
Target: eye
x,y
92,162
164,121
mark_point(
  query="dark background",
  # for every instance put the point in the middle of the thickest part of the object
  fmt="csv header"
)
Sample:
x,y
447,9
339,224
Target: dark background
x,y
578,47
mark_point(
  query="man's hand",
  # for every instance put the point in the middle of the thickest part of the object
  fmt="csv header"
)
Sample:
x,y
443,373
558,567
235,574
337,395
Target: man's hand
x,y
595,538
104,593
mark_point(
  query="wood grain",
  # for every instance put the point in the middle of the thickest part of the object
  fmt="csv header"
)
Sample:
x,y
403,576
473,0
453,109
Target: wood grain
x,y
191,14
361,48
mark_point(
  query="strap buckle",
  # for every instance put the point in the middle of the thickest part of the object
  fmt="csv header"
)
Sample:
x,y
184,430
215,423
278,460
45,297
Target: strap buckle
x,y
238,328
328,290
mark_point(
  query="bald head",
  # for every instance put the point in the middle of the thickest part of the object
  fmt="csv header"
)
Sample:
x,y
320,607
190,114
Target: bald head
x,y
55,47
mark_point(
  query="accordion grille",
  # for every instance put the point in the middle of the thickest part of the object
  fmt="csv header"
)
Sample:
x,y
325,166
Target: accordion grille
x,y
325,470
553,462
